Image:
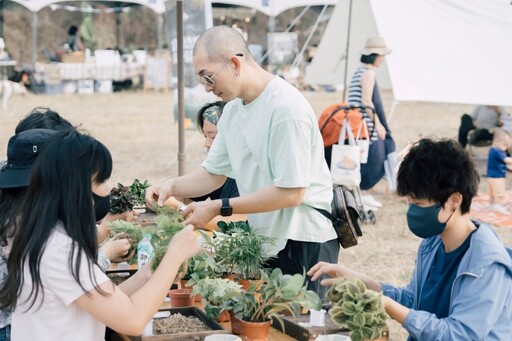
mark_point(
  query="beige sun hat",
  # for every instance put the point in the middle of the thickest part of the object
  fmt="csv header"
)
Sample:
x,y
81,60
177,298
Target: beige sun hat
x,y
375,45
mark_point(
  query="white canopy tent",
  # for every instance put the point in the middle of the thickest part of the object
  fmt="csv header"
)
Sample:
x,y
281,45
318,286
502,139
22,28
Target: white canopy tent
x,y
452,51
273,7
34,6
328,66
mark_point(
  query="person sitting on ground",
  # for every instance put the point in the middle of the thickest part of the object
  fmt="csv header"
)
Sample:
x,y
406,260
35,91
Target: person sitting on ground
x,y
461,285
207,118
497,162
482,120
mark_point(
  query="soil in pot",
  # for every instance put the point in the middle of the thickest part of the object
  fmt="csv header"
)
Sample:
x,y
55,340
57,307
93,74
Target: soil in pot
x,y
255,331
181,298
177,323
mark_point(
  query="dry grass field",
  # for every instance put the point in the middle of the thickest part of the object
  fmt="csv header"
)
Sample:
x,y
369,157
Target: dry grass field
x,y
142,135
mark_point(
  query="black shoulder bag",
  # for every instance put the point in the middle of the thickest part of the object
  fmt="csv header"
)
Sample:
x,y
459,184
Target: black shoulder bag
x,y
345,217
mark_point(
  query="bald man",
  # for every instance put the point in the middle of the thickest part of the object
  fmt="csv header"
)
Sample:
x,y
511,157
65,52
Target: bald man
x,y
269,141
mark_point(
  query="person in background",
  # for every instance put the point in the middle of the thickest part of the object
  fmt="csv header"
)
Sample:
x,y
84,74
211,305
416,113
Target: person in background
x,y
461,284
497,162
207,119
73,42
53,283
481,122
364,91
3,52
268,140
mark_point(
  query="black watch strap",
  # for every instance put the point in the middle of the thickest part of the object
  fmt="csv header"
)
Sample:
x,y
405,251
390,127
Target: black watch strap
x,y
226,210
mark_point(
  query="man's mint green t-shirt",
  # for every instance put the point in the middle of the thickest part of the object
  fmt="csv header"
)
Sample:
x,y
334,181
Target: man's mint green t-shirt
x,y
275,140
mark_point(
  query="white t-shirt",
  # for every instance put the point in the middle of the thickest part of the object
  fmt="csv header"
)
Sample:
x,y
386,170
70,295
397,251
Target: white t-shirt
x,y
58,319
275,140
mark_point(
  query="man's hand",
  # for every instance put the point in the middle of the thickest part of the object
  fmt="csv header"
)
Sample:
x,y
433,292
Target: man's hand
x,y
200,213
381,131
159,193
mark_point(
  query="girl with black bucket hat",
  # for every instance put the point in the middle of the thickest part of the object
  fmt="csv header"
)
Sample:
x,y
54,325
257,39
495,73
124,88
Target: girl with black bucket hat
x,y
54,285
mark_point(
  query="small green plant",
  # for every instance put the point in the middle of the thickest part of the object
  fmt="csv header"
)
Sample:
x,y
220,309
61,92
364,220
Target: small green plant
x,y
229,227
241,250
138,189
216,291
357,309
133,232
157,257
121,199
277,294
200,266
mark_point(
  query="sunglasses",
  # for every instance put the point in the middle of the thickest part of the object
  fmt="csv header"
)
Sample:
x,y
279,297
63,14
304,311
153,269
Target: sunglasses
x,y
208,80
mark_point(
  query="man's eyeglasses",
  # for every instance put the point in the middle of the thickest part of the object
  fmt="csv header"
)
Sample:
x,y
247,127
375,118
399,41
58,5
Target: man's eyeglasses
x,y
208,80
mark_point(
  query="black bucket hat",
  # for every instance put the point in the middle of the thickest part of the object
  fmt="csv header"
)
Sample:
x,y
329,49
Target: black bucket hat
x,y
22,151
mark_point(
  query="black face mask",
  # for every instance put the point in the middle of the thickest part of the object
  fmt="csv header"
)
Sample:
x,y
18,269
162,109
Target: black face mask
x,y
101,206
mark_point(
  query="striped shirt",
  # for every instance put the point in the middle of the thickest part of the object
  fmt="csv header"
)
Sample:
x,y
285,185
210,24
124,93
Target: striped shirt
x,y
355,98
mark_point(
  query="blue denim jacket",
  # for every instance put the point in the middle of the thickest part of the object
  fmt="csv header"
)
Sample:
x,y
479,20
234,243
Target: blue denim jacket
x,y
481,299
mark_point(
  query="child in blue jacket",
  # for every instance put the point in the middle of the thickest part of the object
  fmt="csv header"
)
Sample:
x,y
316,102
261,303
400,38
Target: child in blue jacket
x,y
461,287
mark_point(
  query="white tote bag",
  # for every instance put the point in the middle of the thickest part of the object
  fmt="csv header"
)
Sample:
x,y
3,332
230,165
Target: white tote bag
x,y
363,143
345,159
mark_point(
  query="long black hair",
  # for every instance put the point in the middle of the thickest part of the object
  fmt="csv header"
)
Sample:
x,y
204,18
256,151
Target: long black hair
x,y
11,199
60,191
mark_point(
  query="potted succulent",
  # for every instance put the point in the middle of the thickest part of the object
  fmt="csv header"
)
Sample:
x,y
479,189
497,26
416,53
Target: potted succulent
x,y
357,309
278,293
216,291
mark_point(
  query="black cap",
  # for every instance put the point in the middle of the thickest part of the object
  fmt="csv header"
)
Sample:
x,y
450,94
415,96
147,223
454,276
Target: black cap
x,y
22,151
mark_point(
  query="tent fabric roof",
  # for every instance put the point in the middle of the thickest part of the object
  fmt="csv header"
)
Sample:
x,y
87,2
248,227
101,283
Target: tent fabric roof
x,y
36,5
274,7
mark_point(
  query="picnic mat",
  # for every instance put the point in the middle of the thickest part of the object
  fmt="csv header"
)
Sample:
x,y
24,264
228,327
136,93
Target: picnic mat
x,y
480,211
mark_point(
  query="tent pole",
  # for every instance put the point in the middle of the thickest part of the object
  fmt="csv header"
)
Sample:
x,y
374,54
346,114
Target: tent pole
x,y
181,89
159,26
346,51
1,19
34,40
118,25
298,58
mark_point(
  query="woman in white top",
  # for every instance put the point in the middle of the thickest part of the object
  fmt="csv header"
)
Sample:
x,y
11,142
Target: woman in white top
x,y
54,286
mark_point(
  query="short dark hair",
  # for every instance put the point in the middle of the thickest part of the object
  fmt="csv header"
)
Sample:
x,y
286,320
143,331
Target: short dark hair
x,y
200,117
43,118
435,169
72,30
369,59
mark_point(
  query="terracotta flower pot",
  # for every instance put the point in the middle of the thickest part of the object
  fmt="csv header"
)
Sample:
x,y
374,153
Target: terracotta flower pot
x,y
236,326
255,331
181,298
223,317
246,283
183,282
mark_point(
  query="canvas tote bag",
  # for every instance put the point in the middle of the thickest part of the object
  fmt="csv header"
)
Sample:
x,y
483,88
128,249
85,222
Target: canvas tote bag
x,y
345,159
363,143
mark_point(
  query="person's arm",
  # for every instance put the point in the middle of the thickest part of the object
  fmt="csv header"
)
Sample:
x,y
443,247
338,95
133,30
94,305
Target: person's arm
x,y
193,184
135,282
210,225
117,250
103,229
367,85
337,271
268,199
130,314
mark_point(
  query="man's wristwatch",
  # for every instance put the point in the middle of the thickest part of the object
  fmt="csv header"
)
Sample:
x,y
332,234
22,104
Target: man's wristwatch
x,y
226,210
